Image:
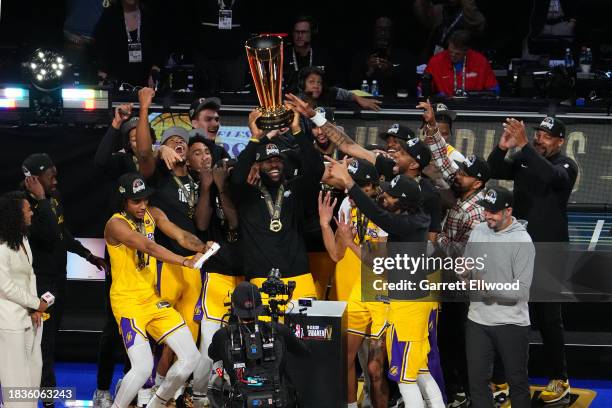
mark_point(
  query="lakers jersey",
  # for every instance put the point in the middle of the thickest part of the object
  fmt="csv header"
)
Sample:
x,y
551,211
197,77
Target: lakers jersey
x,y
348,269
134,274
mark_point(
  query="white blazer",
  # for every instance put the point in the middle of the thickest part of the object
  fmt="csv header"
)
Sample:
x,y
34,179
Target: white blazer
x,y
17,287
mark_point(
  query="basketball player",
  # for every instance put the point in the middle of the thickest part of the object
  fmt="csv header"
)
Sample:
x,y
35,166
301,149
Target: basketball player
x,y
135,300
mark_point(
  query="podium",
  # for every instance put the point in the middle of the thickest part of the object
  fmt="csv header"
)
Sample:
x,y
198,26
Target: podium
x,y
321,377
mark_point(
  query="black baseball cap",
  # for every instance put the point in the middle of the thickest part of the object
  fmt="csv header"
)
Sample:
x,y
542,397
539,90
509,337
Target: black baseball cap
x,y
246,301
496,199
553,126
418,150
203,103
133,187
398,131
268,151
443,114
476,167
363,172
36,163
404,188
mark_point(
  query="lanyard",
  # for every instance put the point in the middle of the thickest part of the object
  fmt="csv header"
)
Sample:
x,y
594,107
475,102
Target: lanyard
x,y
295,64
140,227
462,76
127,31
190,195
222,4
274,208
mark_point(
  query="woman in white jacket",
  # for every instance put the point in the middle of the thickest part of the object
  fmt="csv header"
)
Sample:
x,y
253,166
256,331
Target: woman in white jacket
x,y
20,307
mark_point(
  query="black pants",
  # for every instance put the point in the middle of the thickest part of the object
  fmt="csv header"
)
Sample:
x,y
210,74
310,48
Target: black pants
x,y
109,342
547,317
57,287
451,337
511,342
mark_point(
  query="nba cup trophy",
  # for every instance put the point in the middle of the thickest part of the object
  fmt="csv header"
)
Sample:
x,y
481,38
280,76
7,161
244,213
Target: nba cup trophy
x,y
265,55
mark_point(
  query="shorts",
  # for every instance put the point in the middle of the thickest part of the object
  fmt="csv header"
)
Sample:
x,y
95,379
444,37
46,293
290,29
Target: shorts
x,y
367,319
347,275
181,287
216,292
157,320
407,359
410,319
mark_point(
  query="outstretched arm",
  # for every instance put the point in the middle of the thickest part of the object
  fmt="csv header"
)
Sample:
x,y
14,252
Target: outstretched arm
x,y
118,232
185,239
334,134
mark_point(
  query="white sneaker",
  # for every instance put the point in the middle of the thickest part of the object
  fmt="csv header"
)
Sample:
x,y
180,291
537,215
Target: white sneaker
x,y
200,402
144,396
102,399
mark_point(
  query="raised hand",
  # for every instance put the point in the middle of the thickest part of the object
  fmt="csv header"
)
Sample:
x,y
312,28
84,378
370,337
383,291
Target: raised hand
x,y
298,105
122,113
206,178
145,97
326,207
517,131
33,185
220,174
428,114
256,132
169,156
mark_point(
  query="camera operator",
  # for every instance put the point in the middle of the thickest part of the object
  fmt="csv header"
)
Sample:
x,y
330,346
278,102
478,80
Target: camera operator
x,y
253,354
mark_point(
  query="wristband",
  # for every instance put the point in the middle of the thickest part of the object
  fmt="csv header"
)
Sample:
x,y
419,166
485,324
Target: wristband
x,y
254,140
318,119
48,298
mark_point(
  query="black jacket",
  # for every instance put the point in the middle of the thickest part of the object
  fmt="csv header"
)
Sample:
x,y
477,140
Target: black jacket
x,y
261,248
542,187
50,239
111,46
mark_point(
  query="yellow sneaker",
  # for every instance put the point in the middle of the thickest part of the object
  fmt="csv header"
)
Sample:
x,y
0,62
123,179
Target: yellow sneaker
x,y
501,393
555,391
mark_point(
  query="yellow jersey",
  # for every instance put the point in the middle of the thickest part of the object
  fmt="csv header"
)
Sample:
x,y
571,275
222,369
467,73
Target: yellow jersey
x,y
348,269
134,280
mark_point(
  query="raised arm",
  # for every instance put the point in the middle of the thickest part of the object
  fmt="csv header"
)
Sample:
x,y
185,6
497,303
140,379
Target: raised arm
x,y
337,136
437,144
221,178
245,161
111,142
204,210
502,168
144,151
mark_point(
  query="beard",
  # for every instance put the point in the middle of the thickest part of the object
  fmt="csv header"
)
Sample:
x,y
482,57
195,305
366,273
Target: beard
x,y
458,189
267,180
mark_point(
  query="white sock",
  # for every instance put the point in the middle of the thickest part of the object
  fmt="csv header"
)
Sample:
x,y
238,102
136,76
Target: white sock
x,y
411,395
352,405
159,379
430,390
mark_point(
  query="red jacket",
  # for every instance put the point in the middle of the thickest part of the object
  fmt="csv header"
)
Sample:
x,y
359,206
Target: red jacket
x,y
478,75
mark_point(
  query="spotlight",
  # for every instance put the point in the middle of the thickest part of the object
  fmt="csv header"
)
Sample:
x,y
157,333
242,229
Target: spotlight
x,y
47,69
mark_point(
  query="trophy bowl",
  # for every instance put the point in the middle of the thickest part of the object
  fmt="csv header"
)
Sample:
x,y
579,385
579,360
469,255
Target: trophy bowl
x,y
265,56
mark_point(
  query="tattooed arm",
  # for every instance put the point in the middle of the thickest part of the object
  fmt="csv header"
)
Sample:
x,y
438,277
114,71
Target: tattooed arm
x,y
336,135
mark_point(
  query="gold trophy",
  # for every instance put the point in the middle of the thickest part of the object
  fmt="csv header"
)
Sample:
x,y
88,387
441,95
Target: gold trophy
x,y
265,55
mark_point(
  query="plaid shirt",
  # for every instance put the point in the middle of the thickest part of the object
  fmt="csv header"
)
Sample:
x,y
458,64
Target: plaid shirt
x,y
465,214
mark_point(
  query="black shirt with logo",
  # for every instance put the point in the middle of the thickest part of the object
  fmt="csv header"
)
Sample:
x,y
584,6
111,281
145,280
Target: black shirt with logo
x,y
227,261
261,248
171,199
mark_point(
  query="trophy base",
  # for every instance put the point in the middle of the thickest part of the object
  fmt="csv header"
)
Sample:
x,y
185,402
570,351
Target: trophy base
x,y
274,119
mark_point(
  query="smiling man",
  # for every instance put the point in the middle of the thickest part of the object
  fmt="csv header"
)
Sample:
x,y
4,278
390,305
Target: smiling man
x,y
205,119
271,213
543,181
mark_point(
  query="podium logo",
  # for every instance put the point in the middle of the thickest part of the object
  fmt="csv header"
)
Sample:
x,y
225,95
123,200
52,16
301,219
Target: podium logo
x,y
314,332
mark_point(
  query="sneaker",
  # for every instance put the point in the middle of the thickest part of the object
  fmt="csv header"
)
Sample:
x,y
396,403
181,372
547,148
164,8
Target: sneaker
x,y
200,401
144,396
458,400
102,399
501,393
555,391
